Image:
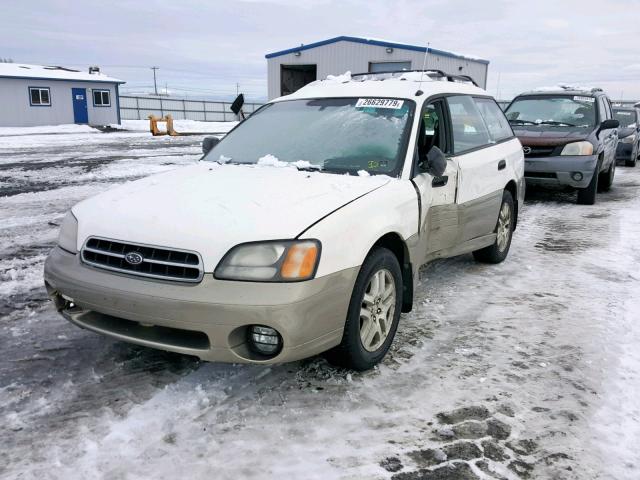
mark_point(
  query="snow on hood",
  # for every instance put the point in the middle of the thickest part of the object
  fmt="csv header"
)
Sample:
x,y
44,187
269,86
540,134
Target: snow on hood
x,y
209,208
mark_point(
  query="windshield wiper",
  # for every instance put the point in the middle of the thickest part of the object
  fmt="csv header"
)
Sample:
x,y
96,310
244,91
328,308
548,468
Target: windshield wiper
x,y
522,122
553,122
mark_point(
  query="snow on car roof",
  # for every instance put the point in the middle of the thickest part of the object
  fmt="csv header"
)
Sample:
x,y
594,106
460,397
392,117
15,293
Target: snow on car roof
x,y
52,72
403,86
564,89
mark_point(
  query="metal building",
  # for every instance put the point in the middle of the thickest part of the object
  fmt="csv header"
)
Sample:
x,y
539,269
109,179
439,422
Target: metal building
x,y
33,95
290,69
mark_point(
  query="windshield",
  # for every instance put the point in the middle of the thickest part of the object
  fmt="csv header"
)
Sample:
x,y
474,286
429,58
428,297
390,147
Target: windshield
x,y
343,135
567,111
627,118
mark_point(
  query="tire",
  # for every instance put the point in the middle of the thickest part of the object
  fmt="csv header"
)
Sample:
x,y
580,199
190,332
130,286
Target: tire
x,y
606,178
497,252
362,348
587,196
633,159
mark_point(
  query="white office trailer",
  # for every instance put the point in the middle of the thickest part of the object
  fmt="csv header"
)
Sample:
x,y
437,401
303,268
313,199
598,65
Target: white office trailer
x,y
291,69
32,95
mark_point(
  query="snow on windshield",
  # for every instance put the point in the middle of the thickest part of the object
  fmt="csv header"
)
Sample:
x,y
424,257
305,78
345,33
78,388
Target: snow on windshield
x,y
332,134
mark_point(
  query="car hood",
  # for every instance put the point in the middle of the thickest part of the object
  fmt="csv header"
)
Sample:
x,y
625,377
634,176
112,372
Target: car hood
x,y
209,208
542,136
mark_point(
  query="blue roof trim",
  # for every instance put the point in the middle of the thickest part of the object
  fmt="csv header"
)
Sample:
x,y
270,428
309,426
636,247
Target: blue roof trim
x,y
64,79
378,43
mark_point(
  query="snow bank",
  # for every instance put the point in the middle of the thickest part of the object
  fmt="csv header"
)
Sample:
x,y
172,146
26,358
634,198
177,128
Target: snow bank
x,y
47,129
180,126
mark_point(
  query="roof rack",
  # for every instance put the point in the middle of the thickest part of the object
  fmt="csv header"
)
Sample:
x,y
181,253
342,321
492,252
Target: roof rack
x,y
430,72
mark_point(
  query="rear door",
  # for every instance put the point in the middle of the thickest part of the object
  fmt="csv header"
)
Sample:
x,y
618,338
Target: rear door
x,y
482,168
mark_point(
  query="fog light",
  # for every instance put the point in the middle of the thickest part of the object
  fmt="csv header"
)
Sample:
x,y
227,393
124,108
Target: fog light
x,y
577,176
264,340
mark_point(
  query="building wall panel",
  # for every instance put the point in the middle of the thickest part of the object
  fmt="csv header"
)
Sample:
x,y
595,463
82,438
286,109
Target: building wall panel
x,y
337,58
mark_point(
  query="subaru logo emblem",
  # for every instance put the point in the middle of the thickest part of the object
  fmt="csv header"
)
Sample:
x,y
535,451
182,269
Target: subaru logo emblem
x,y
526,150
133,258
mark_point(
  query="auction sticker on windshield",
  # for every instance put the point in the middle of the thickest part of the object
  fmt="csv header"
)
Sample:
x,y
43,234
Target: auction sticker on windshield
x,y
379,103
584,99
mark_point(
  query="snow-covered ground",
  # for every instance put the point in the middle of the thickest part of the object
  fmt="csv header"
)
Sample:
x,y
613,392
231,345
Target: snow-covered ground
x,y
528,369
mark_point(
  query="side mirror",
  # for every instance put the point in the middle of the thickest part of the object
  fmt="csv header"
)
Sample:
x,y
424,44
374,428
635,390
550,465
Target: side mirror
x,y
607,125
208,143
435,162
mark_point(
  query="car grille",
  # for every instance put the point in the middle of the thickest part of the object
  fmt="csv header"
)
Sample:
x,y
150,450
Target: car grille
x,y
155,262
532,152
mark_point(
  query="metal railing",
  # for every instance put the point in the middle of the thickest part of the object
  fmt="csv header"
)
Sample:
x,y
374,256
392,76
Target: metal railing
x,y
140,107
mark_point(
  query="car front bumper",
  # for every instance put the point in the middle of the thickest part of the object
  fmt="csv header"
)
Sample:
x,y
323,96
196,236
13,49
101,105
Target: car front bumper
x,y
208,320
559,170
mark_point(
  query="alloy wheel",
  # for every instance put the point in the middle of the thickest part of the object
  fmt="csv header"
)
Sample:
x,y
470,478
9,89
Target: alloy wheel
x,y
504,227
377,310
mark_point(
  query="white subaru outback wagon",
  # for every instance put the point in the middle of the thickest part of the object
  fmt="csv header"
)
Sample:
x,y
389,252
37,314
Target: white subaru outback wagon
x,y
302,231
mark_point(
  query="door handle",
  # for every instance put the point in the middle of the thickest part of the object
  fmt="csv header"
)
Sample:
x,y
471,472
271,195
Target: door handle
x,y
439,181
502,164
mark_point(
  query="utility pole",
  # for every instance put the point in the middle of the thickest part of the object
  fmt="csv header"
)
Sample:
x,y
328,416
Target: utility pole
x,y
155,85
237,89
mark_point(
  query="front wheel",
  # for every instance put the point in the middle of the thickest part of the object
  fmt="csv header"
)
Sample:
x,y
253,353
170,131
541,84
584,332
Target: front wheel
x,y
373,315
497,252
587,196
634,157
606,179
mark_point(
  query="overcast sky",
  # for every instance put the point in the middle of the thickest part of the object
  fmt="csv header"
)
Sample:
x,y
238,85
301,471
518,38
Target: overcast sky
x,y
207,47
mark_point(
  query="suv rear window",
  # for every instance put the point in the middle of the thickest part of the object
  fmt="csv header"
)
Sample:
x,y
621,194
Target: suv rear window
x,y
469,129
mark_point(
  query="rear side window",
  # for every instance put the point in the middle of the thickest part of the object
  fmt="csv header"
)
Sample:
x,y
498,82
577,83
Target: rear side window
x,y
499,128
469,129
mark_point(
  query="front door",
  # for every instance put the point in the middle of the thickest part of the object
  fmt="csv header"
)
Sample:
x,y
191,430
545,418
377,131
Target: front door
x,y
439,226
79,97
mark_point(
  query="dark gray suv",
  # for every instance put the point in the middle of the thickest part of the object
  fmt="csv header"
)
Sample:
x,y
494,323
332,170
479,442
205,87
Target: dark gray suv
x,y
569,138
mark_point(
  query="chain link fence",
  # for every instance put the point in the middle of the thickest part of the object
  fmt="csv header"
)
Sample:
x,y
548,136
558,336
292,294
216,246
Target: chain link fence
x,y
140,107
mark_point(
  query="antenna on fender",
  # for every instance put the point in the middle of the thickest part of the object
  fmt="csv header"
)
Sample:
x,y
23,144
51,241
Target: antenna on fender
x,y
424,65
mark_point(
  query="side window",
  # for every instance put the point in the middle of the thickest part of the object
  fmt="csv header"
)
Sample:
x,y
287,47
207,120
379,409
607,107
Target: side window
x,y
604,113
101,98
499,128
39,96
469,130
432,128
608,105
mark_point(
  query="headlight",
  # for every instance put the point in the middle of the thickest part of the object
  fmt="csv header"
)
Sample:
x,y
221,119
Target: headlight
x,y
630,139
68,236
578,148
276,261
